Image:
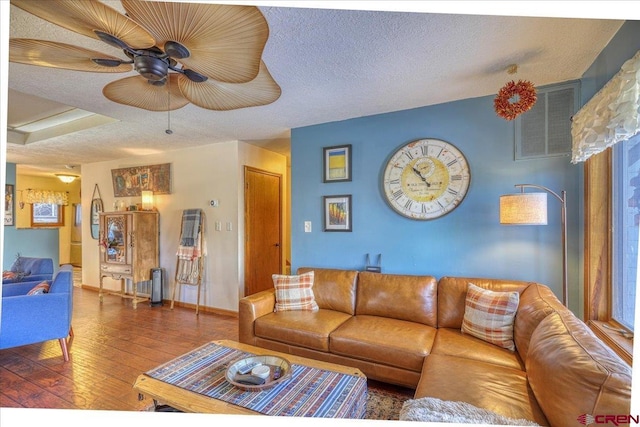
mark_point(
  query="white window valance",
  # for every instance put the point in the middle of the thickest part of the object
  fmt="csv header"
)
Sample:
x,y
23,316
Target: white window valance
x,y
609,117
46,196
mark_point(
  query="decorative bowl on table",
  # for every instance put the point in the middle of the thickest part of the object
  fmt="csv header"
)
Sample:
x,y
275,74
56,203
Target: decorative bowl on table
x,y
258,373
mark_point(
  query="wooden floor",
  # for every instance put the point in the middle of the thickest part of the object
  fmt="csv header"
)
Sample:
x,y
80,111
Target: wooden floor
x,y
112,345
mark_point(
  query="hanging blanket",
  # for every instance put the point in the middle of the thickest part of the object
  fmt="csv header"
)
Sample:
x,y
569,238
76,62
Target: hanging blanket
x,y
190,227
191,239
192,247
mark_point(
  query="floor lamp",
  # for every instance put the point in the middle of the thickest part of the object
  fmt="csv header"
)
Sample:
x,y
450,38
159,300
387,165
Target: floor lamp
x,y
531,209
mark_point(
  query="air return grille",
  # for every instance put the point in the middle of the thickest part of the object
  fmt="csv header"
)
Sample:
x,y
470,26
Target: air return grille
x,y
545,130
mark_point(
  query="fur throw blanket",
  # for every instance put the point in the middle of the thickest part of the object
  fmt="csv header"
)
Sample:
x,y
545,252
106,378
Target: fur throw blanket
x,y
431,409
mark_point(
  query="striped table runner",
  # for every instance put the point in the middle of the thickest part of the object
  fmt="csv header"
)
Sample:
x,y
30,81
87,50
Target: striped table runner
x,y
310,392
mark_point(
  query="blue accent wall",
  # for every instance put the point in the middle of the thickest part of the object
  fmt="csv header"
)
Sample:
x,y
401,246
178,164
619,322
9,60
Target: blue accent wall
x,y
469,241
29,242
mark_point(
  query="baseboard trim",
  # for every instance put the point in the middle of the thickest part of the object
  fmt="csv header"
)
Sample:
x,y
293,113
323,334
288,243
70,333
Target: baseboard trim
x,y
201,308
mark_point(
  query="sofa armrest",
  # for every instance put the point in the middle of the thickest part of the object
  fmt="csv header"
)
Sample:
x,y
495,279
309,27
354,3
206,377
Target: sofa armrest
x,y
251,308
29,319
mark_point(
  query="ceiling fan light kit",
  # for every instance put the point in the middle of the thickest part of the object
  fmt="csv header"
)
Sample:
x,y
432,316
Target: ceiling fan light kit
x,y
205,54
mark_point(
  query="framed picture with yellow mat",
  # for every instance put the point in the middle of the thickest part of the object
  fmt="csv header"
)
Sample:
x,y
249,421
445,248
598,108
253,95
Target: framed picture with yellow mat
x,y
337,163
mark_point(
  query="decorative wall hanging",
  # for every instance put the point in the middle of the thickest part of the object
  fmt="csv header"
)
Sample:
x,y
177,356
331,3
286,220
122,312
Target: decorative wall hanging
x,y
337,163
337,213
131,181
8,204
610,116
514,98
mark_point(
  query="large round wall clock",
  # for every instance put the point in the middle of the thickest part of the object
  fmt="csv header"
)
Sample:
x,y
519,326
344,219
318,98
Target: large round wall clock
x,y
426,179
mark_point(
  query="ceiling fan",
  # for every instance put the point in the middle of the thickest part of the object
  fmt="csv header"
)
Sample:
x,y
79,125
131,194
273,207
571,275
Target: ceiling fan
x,y
205,54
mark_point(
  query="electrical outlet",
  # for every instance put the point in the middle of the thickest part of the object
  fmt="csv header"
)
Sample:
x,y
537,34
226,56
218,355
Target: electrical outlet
x,y
218,226
229,226
307,226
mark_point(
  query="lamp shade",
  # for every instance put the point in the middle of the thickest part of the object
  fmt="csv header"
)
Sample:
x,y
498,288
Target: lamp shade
x,y
523,209
147,200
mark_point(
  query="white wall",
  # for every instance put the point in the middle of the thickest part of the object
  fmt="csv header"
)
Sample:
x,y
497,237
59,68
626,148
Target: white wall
x,y
198,175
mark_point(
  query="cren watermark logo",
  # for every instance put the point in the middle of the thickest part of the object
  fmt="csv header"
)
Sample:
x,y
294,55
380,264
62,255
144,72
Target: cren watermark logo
x,y
616,420
586,419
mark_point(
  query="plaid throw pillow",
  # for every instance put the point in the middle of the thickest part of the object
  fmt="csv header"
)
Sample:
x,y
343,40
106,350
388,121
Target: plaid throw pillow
x,y
294,292
9,274
40,288
489,315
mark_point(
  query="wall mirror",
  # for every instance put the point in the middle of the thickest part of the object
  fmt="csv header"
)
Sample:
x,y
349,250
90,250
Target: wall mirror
x,y
96,208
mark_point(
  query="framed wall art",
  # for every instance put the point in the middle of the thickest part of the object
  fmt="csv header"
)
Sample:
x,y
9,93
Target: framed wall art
x,y
337,163
9,203
132,180
337,213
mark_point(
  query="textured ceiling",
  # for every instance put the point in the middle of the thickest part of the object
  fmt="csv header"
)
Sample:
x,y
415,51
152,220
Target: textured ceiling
x,y
331,65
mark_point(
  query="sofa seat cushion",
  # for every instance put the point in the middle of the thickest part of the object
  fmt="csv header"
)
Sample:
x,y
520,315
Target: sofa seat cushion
x,y
499,389
382,340
452,342
308,329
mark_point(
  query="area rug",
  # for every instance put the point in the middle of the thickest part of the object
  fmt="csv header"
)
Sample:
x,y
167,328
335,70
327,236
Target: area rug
x,y
384,404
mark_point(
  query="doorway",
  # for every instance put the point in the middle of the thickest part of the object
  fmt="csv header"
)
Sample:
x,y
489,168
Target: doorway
x,y
75,255
263,229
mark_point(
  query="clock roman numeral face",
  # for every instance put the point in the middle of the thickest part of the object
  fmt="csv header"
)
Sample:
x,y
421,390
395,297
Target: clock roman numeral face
x,y
426,179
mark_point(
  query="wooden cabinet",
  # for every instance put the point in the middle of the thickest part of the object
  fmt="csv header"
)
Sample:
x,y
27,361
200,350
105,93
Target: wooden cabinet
x,y
128,249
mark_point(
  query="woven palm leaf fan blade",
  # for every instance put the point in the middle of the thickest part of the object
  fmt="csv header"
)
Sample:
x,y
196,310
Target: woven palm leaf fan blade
x,y
60,55
222,42
85,16
221,96
137,92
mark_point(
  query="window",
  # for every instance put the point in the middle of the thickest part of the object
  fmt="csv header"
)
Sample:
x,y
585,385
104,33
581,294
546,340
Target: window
x,y
47,215
625,220
603,304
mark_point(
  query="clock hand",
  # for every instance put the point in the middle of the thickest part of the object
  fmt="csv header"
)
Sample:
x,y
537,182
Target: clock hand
x,y
417,172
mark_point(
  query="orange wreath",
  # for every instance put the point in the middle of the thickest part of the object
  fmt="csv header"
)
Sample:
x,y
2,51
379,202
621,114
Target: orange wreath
x,y
524,95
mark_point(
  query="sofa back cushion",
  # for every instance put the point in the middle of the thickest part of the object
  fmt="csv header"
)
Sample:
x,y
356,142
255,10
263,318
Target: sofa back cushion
x,y
573,373
403,297
33,265
334,289
452,294
536,303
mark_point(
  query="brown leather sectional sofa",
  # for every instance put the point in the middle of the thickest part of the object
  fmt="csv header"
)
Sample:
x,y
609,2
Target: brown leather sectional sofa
x,y
406,330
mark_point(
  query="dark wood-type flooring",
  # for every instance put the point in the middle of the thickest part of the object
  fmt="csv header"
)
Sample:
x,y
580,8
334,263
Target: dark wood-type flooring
x,y
112,345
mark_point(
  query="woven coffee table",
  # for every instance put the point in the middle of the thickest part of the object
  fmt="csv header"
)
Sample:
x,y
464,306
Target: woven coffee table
x,y
195,382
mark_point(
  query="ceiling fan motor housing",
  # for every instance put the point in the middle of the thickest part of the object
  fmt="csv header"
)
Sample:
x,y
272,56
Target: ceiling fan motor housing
x,y
151,67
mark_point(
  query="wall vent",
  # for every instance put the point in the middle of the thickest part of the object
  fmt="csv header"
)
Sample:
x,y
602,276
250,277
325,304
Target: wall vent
x,y
545,130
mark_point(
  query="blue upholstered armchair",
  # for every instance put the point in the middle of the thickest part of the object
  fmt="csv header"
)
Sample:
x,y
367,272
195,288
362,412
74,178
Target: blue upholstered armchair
x,y
28,319
28,269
